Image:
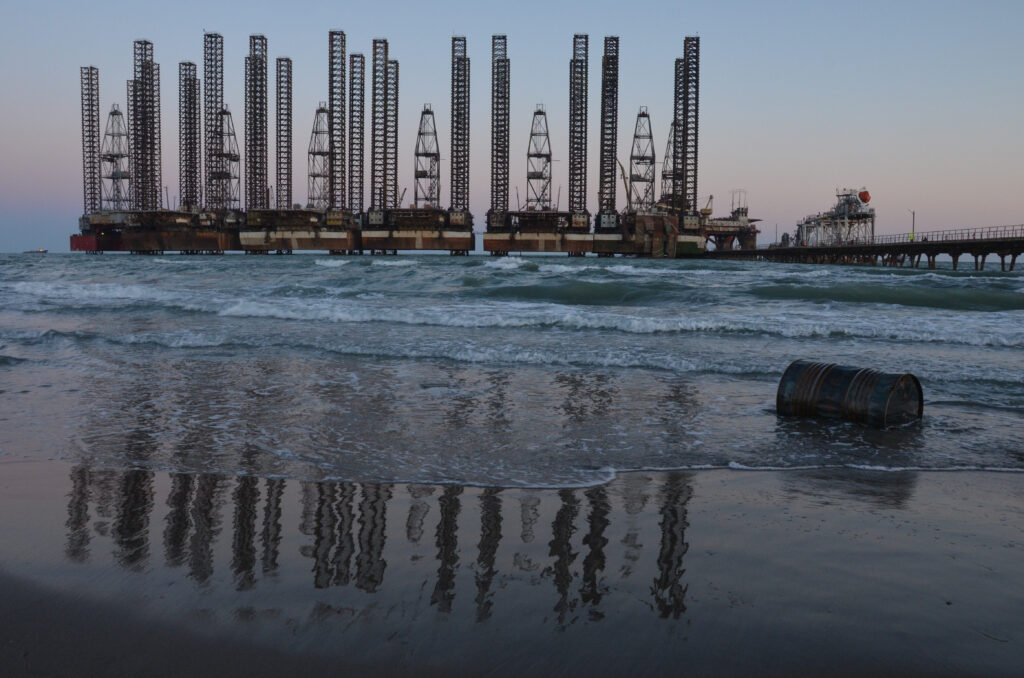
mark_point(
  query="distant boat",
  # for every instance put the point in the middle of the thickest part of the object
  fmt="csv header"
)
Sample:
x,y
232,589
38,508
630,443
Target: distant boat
x,y
38,251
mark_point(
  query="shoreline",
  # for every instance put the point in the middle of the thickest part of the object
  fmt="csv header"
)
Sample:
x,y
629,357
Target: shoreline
x,y
836,572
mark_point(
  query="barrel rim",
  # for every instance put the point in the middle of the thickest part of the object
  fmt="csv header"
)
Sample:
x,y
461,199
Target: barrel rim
x,y
920,398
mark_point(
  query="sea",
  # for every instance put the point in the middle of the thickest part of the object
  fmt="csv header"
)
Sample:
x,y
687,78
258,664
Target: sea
x,y
494,372
433,465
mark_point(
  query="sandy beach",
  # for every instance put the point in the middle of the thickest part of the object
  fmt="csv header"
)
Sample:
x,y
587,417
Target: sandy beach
x,y
110,572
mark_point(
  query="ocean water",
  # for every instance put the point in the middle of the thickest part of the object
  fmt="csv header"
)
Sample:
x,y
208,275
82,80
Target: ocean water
x,y
536,372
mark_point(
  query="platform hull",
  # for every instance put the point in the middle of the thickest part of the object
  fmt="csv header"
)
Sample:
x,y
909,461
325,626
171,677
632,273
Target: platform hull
x,y
575,243
184,240
260,240
96,242
418,239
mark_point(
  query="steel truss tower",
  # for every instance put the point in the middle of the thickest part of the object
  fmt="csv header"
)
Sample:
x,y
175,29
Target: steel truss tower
x,y
213,104
158,182
578,70
144,116
538,163
283,138
256,155
226,178
189,154
336,101
356,123
91,191
667,171
391,196
691,87
319,169
499,124
427,191
642,164
378,127
114,157
684,143
609,123
460,126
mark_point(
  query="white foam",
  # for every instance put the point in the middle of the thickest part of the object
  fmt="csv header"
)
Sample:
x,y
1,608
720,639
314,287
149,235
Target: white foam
x,y
331,263
506,263
394,262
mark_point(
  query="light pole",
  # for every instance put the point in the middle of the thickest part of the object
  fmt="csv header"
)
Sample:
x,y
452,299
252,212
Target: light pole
x,y
913,220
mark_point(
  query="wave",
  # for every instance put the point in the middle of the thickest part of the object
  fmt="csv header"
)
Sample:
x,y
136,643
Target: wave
x,y
554,316
454,351
395,262
8,360
105,294
331,263
575,293
512,264
736,466
948,298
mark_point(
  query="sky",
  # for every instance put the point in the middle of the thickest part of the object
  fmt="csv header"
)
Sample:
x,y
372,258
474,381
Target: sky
x,y
919,102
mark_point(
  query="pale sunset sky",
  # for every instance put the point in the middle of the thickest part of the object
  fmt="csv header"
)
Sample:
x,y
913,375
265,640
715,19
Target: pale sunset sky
x,y
920,102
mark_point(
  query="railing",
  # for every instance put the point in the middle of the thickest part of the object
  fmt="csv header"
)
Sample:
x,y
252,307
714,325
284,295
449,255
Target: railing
x,y
959,234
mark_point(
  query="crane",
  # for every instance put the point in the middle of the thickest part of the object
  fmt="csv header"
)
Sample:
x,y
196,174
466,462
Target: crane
x,y
626,183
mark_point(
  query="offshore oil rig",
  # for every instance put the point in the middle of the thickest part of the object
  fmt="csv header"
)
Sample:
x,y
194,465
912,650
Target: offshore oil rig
x,y
127,207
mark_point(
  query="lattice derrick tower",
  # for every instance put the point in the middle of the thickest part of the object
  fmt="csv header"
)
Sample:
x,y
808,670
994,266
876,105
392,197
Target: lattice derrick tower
x,y
427,191
678,140
667,170
391,196
579,66
155,154
256,153
144,128
114,158
356,123
336,102
499,124
609,123
130,123
189,137
378,126
319,169
538,163
642,164
213,104
460,126
283,137
691,100
227,177
91,188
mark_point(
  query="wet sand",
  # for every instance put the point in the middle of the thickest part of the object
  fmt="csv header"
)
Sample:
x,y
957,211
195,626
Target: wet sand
x,y
112,571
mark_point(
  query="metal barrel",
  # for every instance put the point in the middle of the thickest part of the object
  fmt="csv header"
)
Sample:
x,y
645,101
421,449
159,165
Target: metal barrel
x,y
865,396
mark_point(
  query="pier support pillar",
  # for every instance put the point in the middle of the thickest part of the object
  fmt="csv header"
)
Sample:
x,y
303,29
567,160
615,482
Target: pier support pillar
x,y
1013,261
956,260
931,261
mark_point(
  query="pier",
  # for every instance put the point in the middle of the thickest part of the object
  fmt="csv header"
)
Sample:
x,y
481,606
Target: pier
x,y
900,250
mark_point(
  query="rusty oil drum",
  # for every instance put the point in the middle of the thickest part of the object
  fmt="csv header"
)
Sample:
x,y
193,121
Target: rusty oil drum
x,y
865,396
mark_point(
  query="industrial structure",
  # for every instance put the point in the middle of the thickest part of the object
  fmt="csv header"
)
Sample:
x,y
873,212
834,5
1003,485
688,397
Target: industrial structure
x,y
189,147
427,169
283,137
849,221
126,206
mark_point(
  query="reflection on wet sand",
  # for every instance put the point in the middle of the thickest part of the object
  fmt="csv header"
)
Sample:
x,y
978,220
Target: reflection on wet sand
x,y
343,536
570,550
